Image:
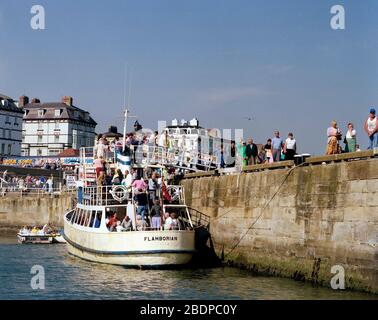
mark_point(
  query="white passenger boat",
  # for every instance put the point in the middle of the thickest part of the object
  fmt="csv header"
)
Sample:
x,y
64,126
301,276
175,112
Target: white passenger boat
x,y
86,227
88,236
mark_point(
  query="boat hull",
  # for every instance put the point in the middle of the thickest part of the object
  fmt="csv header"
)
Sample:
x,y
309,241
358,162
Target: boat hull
x,y
140,260
132,248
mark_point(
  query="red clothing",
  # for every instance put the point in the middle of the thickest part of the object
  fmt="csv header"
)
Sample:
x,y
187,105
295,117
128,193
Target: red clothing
x,y
113,220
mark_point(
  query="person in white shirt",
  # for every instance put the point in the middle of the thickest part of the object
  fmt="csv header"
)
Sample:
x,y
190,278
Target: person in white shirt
x,y
371,128
290,147
100,149
350,139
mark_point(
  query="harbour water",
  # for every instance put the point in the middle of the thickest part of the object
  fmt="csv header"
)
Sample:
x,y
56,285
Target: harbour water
x,y
67,277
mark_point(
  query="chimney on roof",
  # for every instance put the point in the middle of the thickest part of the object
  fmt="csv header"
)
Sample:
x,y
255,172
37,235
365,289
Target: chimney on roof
x,y
35,100
113,129
67,100
23,101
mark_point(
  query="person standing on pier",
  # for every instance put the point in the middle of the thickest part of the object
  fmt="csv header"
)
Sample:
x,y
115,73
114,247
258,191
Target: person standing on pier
x,y
371,128
290,147
334,135
350,139
251,152
277,145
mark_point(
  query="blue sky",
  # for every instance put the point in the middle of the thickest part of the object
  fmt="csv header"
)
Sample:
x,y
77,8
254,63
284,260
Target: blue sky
x,y
278,61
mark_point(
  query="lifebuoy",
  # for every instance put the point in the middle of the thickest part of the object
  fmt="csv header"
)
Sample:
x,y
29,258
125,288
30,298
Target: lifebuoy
x,y
119,193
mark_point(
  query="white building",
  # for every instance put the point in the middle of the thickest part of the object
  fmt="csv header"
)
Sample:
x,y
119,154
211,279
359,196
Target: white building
x,y
50,128
10,127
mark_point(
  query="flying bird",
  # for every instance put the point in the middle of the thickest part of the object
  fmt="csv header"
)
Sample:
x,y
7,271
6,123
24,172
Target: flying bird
x,y
249,118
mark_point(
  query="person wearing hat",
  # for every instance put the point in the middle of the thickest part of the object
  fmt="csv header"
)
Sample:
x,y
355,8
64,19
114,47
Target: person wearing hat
x,y
371,128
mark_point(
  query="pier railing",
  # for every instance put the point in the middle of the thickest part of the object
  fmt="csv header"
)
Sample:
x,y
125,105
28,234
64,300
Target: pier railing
x,y
24,191
315,160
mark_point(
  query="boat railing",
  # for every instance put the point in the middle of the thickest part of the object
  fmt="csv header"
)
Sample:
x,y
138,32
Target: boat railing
x,y
199,219
151,154
104,195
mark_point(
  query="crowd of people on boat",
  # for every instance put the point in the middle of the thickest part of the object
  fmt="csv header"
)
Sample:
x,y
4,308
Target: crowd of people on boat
x,y
37,230
154,219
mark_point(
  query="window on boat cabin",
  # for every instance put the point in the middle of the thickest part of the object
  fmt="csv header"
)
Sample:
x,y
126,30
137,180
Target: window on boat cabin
x,y
95,219
79,212
73,216
82,217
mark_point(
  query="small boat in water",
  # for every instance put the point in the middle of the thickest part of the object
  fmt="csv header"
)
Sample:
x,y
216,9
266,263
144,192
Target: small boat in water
x,y
45,235
40,238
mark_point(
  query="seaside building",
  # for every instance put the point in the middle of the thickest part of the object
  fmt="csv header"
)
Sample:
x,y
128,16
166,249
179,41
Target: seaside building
x,y
49,128
10,127
111,134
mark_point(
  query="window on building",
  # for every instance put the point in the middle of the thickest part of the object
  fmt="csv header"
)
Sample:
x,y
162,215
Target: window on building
x,y
39,152
56,126
56,138
9,149
9,134
40,125
3,148
7,121
41,112
40,139
15,121
58,112
53,152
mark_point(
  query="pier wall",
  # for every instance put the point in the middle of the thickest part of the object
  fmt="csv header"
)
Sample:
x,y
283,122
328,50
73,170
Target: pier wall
x,y
16,210
296,223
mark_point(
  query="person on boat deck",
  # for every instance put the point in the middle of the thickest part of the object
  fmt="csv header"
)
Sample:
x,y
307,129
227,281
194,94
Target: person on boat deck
x,y
34,230
140,223
127,180
156,215
112,223
98,164
142,202
100,148
172,223
153,185
139,184
127,224
46,229
119,227
117,178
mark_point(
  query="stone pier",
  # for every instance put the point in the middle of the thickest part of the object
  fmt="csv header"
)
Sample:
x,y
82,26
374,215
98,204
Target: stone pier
x,y
296,222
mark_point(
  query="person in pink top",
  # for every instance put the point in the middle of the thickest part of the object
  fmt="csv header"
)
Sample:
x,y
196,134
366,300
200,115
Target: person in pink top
x,y
139,184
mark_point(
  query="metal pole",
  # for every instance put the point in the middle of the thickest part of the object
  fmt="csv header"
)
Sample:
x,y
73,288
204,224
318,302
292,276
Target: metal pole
x,y
124,130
